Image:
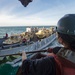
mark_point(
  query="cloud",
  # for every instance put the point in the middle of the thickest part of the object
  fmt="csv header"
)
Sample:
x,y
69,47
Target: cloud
x,y
14,14
30,20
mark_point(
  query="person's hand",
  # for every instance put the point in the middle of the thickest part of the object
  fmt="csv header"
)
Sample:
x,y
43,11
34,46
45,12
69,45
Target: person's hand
x,y
24,56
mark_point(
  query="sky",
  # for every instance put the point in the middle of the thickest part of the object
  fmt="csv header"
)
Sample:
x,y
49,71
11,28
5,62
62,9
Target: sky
x,y
37,13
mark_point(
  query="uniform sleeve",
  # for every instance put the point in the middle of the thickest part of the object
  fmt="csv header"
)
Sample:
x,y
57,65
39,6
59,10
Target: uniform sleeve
x,y
43,66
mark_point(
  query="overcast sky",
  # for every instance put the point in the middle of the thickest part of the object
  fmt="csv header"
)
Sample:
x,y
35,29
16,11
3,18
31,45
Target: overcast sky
x,y
38,12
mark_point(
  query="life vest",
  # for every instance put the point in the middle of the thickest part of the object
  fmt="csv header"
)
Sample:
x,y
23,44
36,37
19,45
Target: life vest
x,y
24,40
63,66
6,35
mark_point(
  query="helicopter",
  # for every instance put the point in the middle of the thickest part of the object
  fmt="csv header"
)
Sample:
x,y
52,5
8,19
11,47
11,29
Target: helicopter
x,y
25,2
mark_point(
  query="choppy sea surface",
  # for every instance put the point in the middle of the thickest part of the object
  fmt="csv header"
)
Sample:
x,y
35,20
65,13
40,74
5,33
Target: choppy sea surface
x,y
15,30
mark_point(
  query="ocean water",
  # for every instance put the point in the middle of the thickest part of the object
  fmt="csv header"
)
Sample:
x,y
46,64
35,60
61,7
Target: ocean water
x,y
15,30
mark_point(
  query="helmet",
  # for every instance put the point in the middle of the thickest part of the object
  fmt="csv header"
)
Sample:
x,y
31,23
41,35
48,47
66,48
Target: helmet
x,y
66,24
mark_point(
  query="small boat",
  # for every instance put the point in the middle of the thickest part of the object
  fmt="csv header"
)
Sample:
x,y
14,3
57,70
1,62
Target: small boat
x,y
35,46
31,35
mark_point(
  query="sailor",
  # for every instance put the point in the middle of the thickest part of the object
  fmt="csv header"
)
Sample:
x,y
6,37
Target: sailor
x,y
61,63
24,40
6,35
